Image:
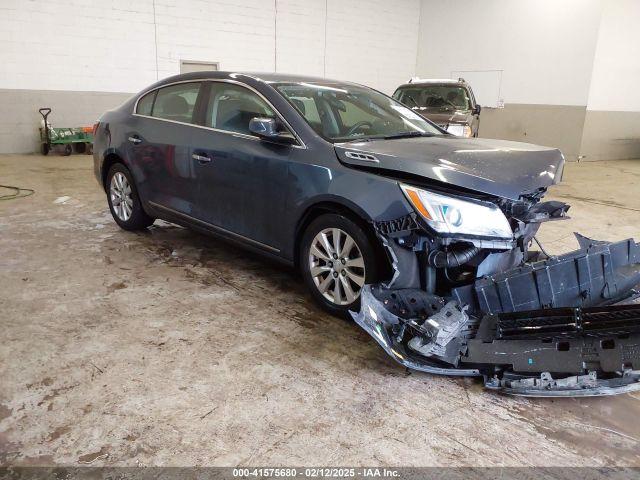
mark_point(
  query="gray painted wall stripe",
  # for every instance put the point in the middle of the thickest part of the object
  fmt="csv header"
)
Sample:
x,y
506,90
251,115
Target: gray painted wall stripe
x,y
575,130
20,120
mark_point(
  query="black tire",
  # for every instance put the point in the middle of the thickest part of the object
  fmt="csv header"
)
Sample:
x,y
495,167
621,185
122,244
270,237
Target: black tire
x,y
138,219
79,147
67,150
367,250
44,149
89,149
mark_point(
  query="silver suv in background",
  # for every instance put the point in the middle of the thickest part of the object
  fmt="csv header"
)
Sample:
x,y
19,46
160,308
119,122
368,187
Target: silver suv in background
x,y
450,104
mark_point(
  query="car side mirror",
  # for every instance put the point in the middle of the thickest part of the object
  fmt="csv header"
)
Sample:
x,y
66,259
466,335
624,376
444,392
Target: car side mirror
x,y
271,129
476,110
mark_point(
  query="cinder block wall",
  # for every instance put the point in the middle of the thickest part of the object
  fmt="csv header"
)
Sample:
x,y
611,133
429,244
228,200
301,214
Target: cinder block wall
x,y
82,58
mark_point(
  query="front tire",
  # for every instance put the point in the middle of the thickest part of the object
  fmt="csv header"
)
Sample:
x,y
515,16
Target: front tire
x,y
337,259
124,201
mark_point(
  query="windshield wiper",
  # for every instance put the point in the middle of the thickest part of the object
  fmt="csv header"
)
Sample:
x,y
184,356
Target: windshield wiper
x,y
387,137
406,135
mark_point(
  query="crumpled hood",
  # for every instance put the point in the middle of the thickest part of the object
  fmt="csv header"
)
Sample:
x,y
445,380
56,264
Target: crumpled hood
x,y
495,167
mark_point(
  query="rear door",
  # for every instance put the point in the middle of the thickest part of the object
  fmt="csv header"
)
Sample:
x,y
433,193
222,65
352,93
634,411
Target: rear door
x,y
242,180
160,144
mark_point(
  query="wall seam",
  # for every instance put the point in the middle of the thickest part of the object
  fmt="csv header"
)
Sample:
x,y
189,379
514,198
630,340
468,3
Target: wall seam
x,y
593,66
155,37
275,35
324,57
418,38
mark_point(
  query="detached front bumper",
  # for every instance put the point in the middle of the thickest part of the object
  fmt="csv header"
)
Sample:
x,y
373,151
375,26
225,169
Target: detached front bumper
x,y
389,329
549,328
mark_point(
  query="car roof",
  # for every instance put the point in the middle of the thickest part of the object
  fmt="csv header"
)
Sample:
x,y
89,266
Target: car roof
x,y
256,76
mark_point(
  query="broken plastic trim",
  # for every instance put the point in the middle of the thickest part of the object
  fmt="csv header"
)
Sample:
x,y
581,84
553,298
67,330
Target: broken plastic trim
x,y
575,386
433,334
599,273
380,323
387,329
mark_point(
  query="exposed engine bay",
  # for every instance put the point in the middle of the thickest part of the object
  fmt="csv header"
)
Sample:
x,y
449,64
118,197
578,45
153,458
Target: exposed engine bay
x,y
490,305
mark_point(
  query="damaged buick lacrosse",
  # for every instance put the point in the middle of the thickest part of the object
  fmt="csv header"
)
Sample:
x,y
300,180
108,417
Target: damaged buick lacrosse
x,y
424,238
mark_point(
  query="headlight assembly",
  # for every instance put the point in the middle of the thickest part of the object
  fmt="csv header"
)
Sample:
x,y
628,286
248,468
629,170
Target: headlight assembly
x,y
459,130
454,215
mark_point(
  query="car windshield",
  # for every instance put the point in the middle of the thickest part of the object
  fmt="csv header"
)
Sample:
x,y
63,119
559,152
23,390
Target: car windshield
x,y
437,97
342,113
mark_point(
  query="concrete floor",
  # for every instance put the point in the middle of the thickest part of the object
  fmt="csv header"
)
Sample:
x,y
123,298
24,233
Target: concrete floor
x,y
170,348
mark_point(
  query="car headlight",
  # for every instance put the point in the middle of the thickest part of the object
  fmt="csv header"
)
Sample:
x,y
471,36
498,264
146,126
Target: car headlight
x,y
459,130
453,215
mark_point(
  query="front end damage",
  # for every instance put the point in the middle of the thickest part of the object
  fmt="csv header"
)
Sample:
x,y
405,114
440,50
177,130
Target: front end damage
x,y
528,323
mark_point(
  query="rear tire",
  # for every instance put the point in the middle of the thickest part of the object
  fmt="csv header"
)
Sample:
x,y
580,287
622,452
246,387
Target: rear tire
x,y
44,149
124,201
350,264
67,150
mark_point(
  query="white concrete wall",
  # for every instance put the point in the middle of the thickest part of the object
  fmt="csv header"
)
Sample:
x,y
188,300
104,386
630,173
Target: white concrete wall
x,y
545,48
123,45
615,81
612,122
543,51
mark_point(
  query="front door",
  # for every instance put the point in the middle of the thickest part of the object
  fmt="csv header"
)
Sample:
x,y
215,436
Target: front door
x,y
242,180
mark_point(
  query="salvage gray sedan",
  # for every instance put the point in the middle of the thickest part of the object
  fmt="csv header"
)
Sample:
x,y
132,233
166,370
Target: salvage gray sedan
x,y
423,237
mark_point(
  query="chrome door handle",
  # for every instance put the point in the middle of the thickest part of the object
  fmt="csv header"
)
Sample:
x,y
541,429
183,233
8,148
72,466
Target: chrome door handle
x,y
201,159
135,140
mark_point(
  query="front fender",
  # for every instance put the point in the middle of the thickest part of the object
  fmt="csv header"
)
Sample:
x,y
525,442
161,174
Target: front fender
x,y
372,197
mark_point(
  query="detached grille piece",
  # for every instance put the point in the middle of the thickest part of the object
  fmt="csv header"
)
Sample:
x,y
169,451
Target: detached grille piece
x,y
569,322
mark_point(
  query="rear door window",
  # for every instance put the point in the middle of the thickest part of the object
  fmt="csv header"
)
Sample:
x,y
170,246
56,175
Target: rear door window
x,y
176,102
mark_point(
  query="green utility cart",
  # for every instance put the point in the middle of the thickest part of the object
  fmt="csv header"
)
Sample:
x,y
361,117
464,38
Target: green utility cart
x,y
64,140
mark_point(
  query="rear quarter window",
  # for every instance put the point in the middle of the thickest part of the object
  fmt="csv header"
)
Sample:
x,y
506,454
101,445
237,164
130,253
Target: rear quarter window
x,y
145,104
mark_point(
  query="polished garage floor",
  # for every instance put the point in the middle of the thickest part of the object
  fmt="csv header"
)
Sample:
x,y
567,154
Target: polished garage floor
x,y
170,348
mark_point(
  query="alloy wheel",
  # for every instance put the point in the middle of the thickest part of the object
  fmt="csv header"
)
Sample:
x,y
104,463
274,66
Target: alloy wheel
x,y
337,266
121,200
